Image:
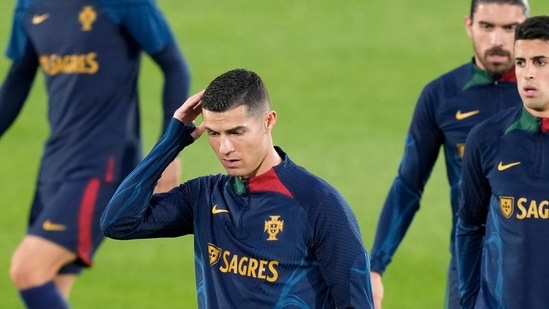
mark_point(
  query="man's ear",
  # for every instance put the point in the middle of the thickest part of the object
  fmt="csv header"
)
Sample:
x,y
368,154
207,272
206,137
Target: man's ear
x,y
270,120
468,23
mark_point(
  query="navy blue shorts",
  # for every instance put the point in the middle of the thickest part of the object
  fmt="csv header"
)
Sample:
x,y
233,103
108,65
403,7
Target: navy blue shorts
x,y
67,213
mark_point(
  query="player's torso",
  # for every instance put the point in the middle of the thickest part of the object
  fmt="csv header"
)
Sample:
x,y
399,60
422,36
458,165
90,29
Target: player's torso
x,y
260,242
85,57
90,66
458,114
517,226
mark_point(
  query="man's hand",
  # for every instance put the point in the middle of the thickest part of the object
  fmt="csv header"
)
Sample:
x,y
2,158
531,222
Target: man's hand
x,y
377,289
189,111
170,177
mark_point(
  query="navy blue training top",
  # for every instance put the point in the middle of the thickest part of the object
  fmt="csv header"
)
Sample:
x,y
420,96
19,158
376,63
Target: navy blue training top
x,y
447,109
504,214
282,239
90,52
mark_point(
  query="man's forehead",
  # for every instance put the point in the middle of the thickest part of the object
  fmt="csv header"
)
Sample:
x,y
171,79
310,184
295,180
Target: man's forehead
x,y
221,121
499,14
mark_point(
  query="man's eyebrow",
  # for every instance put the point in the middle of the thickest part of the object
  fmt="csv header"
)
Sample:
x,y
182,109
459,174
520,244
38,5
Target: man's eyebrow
x,y
486,23
230,130
237,128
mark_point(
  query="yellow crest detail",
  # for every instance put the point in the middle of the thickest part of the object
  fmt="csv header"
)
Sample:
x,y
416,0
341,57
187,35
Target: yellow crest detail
x,y
215,254
507,205
87,17
273,227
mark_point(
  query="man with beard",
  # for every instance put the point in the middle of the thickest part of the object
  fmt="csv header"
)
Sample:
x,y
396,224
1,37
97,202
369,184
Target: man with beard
x,y
447,109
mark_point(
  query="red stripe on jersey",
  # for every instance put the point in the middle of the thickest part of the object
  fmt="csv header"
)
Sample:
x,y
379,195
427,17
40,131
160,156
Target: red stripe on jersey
x,y
268,182
85,219
109,175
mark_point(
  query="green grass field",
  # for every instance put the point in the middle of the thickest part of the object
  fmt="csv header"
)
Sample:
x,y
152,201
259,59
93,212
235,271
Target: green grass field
x,y
343,77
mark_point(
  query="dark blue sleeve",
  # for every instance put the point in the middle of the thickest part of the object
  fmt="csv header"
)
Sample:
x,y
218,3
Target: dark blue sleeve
x,y
177,80
143,20
19,40
148,26
16,87
421,150
468,254
133,211
473,209
338,243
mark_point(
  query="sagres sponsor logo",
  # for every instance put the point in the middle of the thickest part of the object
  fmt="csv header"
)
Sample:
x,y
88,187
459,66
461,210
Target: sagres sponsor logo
x,y
39,18
230,263
273,226
464,115
524,208
50,226
532,209
502,167
69,64
216,210
506,205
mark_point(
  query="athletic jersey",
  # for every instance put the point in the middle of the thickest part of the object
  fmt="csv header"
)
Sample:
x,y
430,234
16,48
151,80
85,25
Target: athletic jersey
x,y
91,68
282,239
504,212
447,109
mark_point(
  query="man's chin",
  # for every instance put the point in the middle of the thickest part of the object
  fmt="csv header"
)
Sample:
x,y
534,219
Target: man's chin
x,y
497,69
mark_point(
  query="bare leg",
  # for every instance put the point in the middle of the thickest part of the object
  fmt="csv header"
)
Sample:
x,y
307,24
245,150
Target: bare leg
x,y
36,261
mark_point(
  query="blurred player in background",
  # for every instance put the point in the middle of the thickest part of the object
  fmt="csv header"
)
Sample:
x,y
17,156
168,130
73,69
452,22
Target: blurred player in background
x,y
502,229
446,110
89,52
269,234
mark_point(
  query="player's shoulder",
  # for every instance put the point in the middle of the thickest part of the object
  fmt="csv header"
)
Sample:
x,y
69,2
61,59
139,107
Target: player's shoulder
x,y
494,126
447,85
307,188
454,79
24,4
125,3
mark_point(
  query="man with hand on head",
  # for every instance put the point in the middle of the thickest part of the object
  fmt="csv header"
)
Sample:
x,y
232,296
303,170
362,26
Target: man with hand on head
x,y
268,234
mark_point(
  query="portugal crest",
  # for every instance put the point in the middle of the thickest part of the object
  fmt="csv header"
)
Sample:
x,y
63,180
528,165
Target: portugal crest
x,y
506,205
273,227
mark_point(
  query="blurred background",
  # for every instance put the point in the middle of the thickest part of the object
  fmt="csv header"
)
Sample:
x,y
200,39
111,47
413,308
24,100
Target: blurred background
x,y
343,76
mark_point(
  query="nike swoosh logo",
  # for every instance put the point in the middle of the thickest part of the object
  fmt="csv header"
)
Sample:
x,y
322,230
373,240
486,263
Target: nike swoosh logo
x,y
216,211
38,19
49,226
461,116
502,167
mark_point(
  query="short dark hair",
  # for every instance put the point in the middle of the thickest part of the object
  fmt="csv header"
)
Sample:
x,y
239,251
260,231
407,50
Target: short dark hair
x,y
533,28
523,3
234,88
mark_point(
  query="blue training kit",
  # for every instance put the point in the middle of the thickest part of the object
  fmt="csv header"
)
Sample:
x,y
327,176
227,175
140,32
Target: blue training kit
x,y
89,52
447,109
504,213
281,239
